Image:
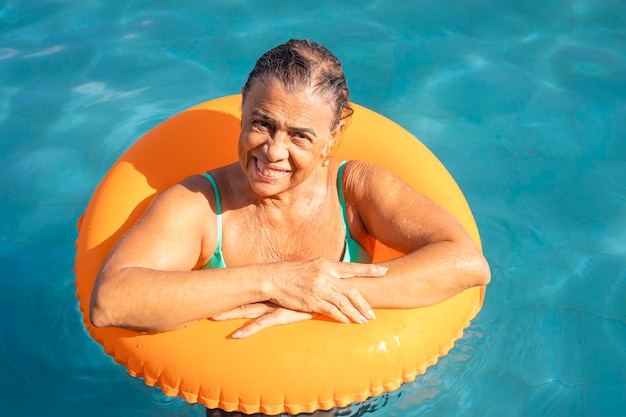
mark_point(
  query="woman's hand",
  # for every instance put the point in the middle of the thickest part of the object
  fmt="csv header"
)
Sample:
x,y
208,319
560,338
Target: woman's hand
x,y
318,286
302,290
265,315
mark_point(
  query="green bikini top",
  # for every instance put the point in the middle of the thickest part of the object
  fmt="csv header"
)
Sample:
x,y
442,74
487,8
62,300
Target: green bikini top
x,y
353,252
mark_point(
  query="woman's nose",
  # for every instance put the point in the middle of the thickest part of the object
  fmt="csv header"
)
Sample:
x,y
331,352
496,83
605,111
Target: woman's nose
x,y
276,147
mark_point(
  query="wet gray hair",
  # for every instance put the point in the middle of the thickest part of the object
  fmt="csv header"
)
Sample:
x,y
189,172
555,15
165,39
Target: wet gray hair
x,y
304,63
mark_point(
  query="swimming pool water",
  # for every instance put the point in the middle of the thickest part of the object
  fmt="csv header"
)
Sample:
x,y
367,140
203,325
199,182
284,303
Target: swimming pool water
x,y
523,101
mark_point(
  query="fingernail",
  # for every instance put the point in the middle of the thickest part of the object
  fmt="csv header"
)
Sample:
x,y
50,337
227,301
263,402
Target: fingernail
x,y
237,334
371,315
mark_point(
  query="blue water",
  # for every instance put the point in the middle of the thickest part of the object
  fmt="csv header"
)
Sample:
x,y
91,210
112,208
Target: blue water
x,y
523,100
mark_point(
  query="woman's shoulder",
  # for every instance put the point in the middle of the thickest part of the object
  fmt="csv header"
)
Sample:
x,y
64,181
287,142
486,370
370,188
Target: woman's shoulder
x,y
361,176
186,199
201,184
194,195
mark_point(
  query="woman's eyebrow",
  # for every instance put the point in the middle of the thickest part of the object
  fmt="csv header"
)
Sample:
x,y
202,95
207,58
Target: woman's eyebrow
x,y
272,121
304,130
262,115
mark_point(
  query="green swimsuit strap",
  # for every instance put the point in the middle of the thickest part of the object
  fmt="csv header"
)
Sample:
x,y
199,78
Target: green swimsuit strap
x,y
353,251
342,201
218,210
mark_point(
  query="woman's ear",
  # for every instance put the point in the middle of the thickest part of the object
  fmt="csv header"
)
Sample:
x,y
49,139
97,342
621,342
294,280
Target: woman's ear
x,y
241,108
335,136
341,126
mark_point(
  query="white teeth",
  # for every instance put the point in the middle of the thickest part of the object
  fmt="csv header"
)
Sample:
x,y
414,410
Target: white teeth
x,y
272,173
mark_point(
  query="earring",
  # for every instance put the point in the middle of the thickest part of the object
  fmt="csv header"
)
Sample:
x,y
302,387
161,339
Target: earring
x,y
325,162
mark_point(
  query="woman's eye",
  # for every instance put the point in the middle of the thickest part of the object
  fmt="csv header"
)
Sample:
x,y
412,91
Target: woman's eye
x,y
260,124
301,137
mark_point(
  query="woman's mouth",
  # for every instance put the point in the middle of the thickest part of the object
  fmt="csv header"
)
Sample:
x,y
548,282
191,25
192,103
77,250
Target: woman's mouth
x,y
267,171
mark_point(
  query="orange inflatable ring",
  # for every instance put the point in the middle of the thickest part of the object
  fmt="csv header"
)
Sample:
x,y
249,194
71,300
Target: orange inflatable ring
x,y
297,368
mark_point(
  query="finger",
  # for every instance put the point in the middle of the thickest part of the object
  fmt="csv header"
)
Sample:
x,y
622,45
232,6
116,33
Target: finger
x,y
359,302
340,309
246,311
252,328
351,304
275,318
353,269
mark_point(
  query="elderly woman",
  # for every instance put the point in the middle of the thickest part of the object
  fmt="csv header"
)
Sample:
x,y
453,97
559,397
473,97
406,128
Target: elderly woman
x,y
285,233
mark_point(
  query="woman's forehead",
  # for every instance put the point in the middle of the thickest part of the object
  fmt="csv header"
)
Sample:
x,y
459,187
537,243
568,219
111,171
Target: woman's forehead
x,y
274,96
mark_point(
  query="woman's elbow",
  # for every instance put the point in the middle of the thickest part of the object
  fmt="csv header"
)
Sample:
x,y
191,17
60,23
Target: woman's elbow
x,y
98,318
104,305
99,314
479,271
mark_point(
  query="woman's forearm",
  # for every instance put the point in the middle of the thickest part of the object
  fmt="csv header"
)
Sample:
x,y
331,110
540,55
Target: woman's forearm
x,y
151,300
427,276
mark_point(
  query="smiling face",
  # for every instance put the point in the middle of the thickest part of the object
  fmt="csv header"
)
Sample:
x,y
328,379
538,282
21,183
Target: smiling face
x,y
285,135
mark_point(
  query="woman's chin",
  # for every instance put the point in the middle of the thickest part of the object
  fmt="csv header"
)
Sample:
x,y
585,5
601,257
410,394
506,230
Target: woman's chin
x,y
266,188
266,191
267,185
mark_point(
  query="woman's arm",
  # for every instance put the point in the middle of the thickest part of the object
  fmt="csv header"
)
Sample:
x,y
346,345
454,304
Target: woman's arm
x,y
147,281
441,258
